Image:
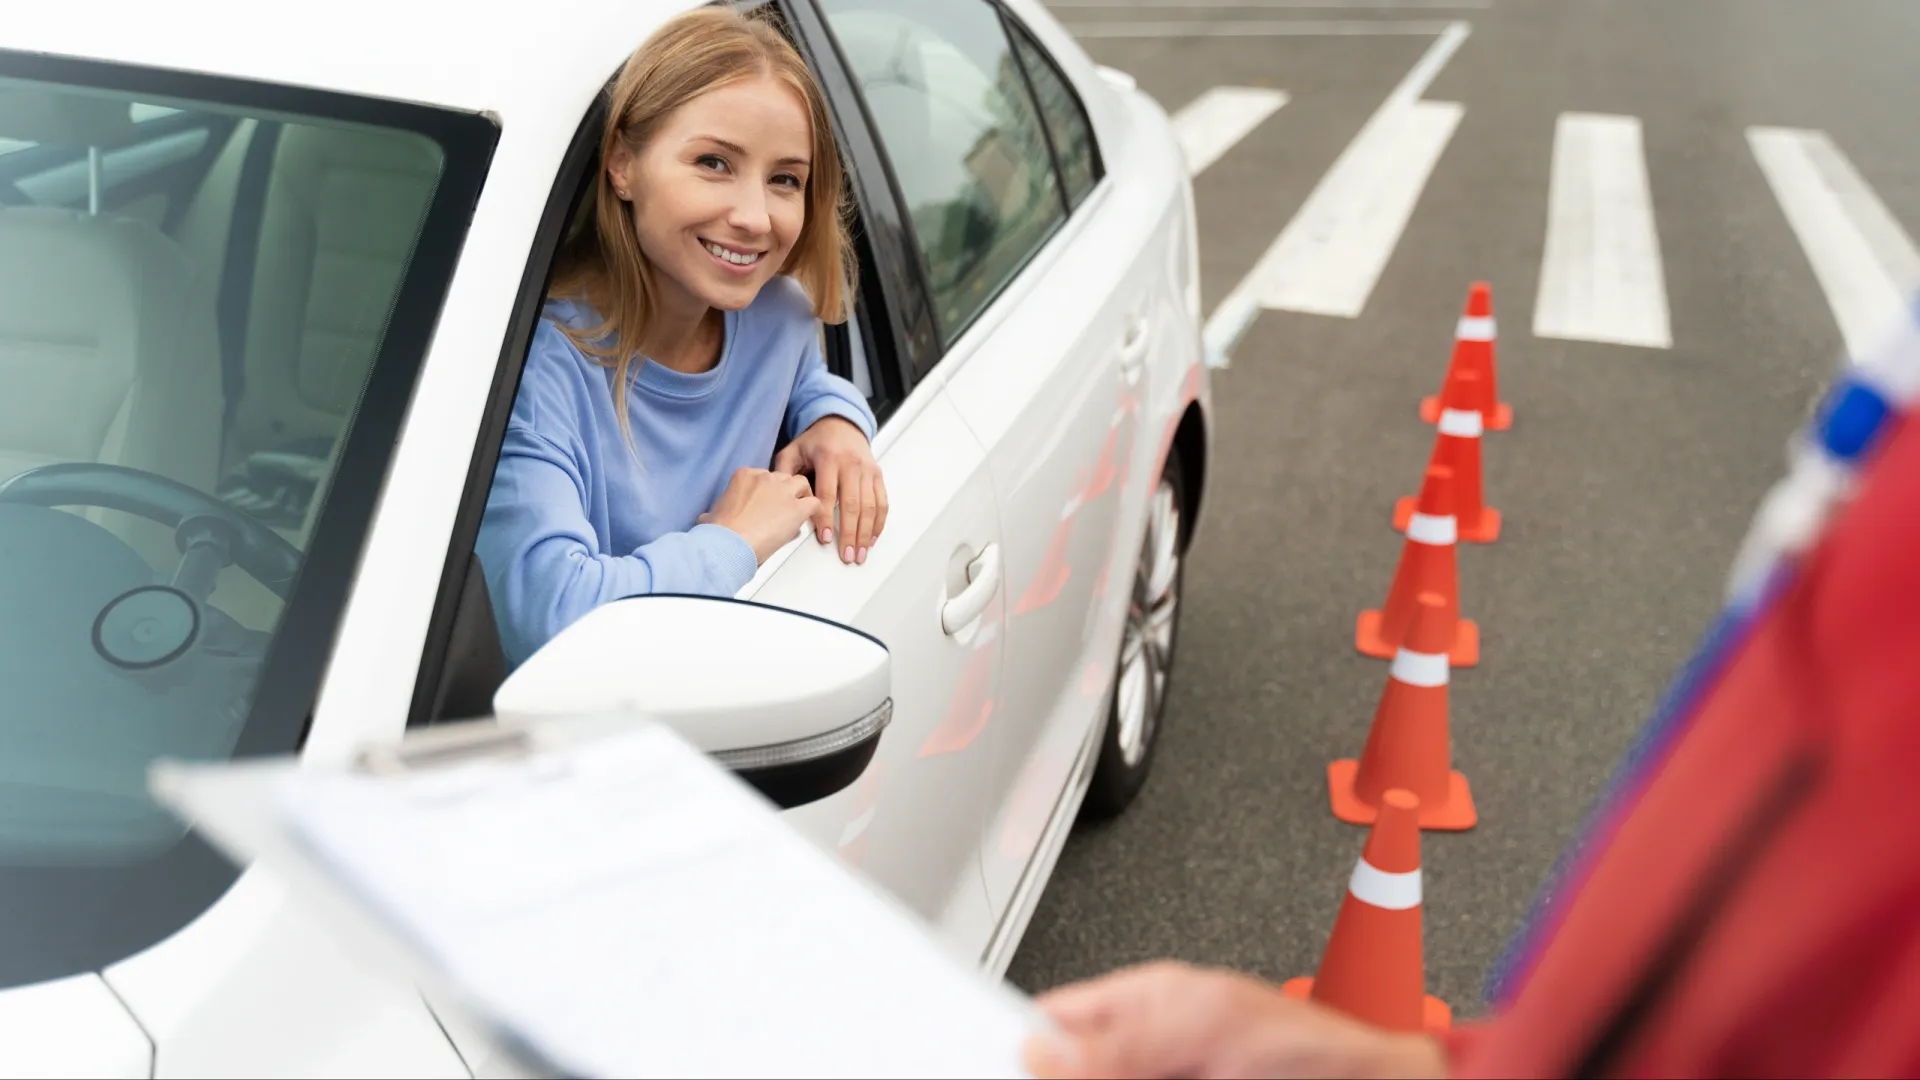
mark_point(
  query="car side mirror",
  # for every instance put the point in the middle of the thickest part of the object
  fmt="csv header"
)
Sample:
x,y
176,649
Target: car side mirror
x,y
793,704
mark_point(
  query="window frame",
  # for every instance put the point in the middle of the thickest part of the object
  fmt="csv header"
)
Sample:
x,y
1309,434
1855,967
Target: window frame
x,y
895,271
301,648
1015,25
1011,30
886,331
1007,21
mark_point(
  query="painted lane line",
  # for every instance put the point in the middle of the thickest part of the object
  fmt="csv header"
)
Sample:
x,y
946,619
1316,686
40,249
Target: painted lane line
x,y
1865,262
1328,258
1333,251
1279,5
1236,311
1600,274
1211,124
1263,28
1387,136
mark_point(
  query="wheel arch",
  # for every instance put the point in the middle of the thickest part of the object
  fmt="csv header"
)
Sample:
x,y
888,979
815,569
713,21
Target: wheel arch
x,y
1190,448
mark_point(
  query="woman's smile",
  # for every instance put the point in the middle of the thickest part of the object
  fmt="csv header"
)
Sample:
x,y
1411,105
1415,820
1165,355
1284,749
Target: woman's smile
x,y
733,259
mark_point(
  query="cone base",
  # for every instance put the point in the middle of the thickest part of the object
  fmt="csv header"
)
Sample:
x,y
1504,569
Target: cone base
x,y
1499,420
1455,814
1466,641
1436,1016
1484,530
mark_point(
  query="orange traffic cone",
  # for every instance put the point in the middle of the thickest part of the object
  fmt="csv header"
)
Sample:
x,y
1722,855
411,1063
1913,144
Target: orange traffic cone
x,y
1372,968
1427,564
1473,351
1407,745
1458,445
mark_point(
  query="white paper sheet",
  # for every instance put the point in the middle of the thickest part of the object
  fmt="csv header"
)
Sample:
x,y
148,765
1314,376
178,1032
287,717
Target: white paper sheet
x,y
627,908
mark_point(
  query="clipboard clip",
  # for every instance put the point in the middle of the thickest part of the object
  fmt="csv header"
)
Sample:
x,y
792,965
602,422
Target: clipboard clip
x,y
442,747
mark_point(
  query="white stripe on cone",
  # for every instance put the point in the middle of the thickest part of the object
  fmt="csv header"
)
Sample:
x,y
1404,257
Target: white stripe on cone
x,y
1419,669
1463,423
1475,328
1438,530
1393,892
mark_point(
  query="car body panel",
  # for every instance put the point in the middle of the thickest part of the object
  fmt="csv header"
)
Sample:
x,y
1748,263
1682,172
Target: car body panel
x,y
71,1027
1064,394
487,61
889,823
217,1000
252,986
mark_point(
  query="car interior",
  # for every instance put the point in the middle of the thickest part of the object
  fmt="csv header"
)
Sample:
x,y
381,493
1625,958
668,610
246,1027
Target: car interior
x,y
197,295
236,285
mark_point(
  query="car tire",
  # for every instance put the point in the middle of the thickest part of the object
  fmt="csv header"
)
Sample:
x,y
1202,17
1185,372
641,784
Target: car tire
x,y
1143,672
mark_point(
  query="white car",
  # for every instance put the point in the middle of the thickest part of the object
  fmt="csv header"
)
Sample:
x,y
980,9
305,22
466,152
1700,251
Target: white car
x,y
266,284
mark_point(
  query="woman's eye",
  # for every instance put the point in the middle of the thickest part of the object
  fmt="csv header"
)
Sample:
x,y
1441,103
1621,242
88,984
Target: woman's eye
x,y
710,161
789,180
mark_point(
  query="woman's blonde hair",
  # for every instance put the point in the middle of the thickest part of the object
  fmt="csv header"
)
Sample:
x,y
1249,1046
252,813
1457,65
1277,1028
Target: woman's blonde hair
x,y
601,263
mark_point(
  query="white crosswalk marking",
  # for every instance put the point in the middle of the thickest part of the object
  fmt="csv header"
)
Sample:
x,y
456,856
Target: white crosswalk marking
x,y
1281,5
1245,28
1330,255
1601,277
1865,262
1212,123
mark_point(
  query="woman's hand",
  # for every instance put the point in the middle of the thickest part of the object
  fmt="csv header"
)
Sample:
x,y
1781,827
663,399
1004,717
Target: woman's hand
x,y
844,475
1175,1020
765,508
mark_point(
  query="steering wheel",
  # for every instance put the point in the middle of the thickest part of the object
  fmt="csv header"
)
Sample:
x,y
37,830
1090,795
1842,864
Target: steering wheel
x,y
211,535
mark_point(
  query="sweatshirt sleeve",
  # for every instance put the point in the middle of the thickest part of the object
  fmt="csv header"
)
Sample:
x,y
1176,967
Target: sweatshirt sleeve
x,y
540,555
819,393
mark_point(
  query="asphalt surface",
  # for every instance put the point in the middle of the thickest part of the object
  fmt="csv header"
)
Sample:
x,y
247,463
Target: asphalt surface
x,y
1627,480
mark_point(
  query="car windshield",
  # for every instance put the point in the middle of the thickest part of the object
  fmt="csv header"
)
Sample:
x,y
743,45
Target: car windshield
x,y
214,298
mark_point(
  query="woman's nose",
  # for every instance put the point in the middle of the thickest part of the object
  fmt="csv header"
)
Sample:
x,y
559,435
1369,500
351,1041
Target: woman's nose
x,y
750,213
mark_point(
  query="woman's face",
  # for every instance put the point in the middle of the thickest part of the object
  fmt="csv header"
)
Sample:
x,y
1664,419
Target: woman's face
x,y
719,193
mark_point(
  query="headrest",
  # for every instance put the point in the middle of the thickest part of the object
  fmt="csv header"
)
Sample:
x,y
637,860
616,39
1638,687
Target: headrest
x,y
60,118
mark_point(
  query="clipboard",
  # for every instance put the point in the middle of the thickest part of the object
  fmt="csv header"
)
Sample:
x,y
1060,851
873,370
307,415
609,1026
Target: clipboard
x,y
608,901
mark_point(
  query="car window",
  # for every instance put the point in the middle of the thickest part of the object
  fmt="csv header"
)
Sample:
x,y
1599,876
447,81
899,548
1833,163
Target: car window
x,y
185,406
964,139
1066,120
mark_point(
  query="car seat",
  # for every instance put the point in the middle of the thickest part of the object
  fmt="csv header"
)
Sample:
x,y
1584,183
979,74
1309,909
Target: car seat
x,y
105,353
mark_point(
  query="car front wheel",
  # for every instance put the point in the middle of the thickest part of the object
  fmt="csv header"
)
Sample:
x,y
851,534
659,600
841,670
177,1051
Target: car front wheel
x,y
1145,668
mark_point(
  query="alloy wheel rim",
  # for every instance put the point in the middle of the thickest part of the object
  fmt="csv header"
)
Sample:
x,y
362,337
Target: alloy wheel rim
x,y
1146,650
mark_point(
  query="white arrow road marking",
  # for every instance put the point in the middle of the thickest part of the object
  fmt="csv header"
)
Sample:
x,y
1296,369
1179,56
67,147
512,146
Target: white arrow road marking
x,y
1211,124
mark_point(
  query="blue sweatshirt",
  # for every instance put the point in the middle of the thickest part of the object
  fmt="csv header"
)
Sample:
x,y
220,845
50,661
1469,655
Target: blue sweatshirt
x,y
575,519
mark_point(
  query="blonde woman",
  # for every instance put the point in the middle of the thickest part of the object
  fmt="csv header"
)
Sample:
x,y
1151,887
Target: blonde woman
x,y
679,340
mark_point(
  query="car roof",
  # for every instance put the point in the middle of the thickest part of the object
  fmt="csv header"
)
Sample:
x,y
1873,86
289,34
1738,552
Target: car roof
x,y
485,55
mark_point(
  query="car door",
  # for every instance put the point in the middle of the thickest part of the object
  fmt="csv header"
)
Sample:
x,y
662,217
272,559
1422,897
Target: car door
x,y
932,588
1041,343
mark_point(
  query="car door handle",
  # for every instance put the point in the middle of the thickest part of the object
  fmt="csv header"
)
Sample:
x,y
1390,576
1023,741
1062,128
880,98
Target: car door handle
x,y
983,581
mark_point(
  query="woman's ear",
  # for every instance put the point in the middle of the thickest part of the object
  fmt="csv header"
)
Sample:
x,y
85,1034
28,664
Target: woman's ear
x,y
618,163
